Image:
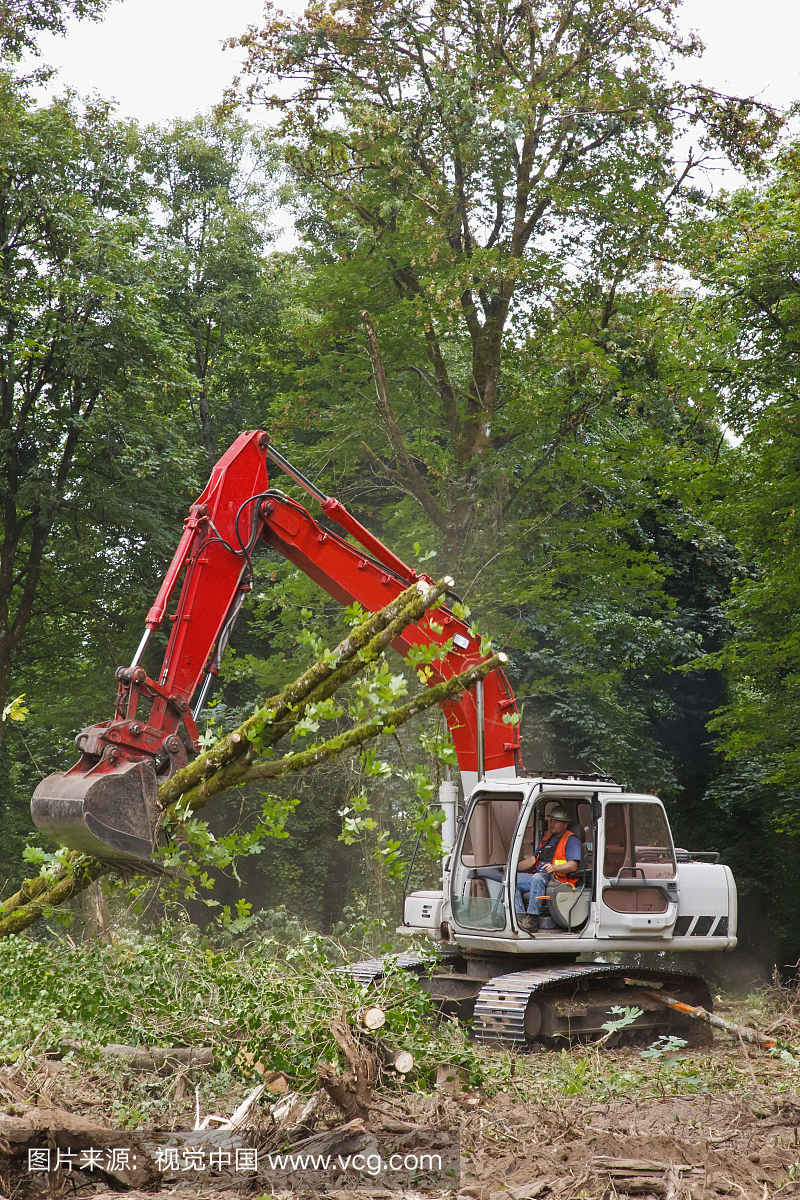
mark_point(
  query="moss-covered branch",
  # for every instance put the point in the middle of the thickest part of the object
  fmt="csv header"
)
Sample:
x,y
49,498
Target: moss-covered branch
x,y
248,771
237,759
49,891
30,890
278,715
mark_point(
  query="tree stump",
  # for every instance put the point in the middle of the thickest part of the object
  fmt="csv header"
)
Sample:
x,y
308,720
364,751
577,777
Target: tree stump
x,y
352,1090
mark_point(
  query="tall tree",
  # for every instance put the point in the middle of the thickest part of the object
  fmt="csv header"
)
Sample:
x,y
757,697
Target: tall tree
x,y
22,20
87,374
743,332
210,177
461,163
749,262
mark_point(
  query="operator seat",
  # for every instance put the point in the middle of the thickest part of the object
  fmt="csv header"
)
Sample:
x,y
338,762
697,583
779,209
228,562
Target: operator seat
x,y
568,906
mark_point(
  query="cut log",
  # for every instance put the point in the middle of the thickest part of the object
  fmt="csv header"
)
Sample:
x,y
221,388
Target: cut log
x,y
372,1019
162,1059
633,1166
96,918
401,1061
394,1059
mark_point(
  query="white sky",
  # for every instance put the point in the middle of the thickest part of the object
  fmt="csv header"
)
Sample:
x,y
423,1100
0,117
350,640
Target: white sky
x,y
163,58
751,47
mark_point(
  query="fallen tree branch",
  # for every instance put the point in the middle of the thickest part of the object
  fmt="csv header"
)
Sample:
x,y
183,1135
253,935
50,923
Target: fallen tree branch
x,y
698,1013
80,873
278,716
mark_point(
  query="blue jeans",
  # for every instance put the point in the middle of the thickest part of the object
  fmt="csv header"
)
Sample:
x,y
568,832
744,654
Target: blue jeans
x,y
532,886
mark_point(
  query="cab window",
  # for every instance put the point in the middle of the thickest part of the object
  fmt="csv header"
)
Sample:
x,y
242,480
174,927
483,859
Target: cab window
x,y
490,832
637,841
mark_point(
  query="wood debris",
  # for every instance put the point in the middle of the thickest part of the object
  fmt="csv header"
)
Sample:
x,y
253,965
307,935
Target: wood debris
x,y
525,1191
161,1059
698,1013
238,1119
636,1176
67,1134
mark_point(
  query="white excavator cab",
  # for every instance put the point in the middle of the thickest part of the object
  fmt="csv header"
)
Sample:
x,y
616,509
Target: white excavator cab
x,y
632,890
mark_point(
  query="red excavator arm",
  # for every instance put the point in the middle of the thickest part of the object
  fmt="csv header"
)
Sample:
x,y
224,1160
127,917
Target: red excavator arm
x,y
106,804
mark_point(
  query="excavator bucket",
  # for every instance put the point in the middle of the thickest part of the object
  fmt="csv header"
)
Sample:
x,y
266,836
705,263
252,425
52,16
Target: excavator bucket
x,y
111,815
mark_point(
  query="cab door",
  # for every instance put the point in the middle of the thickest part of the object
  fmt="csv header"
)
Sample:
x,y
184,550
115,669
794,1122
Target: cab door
x,y
637,883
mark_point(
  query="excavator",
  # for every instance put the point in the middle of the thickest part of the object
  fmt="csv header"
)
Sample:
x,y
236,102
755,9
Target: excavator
x,y
633,891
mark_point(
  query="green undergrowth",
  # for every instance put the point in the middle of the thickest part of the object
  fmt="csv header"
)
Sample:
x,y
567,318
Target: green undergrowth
x,y
669,1068
177,988
602,1077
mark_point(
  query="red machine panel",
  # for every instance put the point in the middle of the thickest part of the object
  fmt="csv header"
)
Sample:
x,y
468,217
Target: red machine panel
x,y
347,574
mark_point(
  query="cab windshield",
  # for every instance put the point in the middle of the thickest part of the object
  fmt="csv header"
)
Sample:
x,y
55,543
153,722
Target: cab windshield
x,y
478,885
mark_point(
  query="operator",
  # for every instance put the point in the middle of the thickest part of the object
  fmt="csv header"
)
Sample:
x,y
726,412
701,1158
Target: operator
x,y
558,856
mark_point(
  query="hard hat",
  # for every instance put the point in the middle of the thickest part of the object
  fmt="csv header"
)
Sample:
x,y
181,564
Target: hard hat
x,y
558,814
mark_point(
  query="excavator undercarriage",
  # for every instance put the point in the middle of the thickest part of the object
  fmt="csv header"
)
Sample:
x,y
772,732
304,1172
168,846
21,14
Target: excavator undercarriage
x,y
549,1002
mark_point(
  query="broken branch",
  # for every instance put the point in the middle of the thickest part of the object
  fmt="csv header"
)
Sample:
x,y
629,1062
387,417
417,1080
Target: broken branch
x,y
698,1013
279,715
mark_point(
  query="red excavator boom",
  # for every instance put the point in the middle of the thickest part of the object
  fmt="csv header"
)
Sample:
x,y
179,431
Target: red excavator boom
x,y
106,804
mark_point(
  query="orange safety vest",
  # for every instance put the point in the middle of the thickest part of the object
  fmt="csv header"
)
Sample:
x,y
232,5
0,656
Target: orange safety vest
x,y
559,856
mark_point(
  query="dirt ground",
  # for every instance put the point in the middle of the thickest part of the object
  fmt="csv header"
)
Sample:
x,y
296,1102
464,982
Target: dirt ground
x,y
692,1147
528,1141
599,1124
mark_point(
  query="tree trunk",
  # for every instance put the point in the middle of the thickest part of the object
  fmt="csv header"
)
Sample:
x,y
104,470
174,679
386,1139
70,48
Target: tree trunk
x,y
351,1090
96,919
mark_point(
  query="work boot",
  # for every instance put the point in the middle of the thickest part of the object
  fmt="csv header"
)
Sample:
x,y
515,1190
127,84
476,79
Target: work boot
x,y
528,921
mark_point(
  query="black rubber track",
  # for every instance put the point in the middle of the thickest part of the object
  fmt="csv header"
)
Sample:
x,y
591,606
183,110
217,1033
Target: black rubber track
x,y
500,1007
